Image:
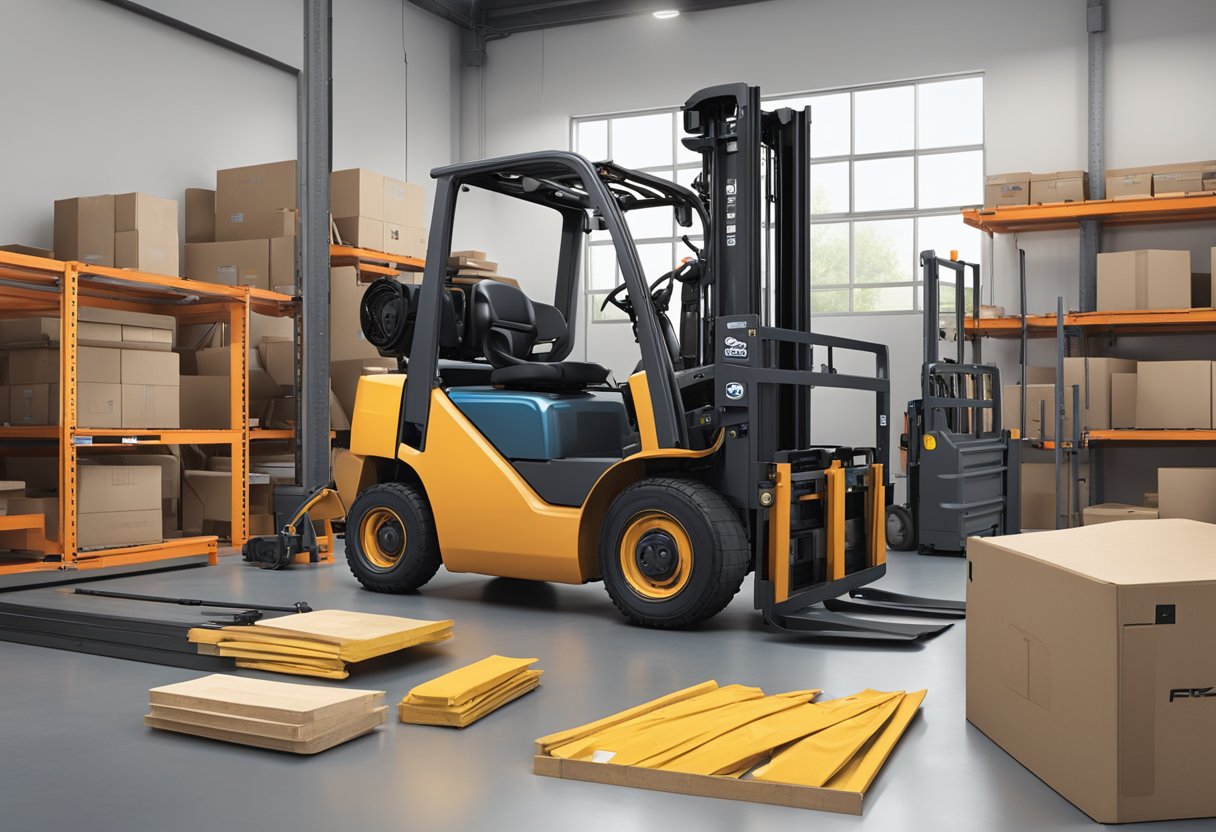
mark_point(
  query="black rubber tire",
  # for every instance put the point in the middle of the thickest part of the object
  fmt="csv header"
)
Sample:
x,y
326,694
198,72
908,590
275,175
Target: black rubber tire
x,y
904,538
721,554
421,559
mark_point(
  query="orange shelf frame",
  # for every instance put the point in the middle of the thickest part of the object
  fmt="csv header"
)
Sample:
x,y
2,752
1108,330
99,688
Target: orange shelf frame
x,y
1150,436
1197,207
1151,322
373,264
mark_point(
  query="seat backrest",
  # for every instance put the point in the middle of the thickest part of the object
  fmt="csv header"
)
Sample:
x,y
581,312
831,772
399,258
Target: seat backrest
x,y
502,322
551,329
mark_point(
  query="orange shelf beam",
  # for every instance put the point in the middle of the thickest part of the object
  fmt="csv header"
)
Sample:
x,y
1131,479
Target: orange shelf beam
x,y
1057,215
350,256
1153,322
1151,436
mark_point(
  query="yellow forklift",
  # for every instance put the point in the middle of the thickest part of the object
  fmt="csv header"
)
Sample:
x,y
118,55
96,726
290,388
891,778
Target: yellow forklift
x,y
492,452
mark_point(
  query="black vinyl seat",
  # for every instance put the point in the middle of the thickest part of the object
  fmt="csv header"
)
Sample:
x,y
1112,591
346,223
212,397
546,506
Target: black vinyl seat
x,y
503,323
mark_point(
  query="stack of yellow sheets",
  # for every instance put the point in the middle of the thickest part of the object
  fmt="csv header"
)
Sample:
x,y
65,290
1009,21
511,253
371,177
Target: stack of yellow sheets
x,y
320,643
464,696
301,719
739,732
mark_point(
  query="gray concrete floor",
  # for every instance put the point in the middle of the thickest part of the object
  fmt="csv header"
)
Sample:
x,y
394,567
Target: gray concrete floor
x,y
75,755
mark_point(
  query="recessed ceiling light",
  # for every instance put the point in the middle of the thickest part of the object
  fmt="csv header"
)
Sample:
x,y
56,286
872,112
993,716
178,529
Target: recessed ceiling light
x,y
666,14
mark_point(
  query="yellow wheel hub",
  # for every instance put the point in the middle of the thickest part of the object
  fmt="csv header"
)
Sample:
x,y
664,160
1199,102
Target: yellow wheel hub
x,y
382,537
656,555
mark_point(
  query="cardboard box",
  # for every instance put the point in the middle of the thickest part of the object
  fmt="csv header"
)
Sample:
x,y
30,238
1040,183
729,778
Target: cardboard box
x,y
1181,178
1174,394
1002,189
98,404
150,367
1092,374
1040,375
346,341
282,262
170,482
1129,183
45,332
344,378
48,507
84,229
148,253
1123,400
1151,499
1188,493
249,200
361,232
206,496
233,263
32,251
1083,650
37,366
403,203
405,240
34,404
151,406
204,402
119,505
147,338
1144,279
1040,410
200,215
1110,512
357,192
279,358
1038,491
1060,186
143,212
215,361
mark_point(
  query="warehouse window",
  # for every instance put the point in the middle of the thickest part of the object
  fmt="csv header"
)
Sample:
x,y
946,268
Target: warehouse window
x,y
891,167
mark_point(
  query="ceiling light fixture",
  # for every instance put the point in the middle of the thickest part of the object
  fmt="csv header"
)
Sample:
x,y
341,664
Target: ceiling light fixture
x,y
666,14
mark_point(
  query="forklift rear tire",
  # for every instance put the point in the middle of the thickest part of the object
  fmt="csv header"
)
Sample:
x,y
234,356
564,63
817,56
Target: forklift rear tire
x,y
672,552
391,544
901,532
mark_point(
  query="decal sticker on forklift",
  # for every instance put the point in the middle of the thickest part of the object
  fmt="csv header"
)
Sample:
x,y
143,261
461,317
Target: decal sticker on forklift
x,y
736,324
734,390
734,348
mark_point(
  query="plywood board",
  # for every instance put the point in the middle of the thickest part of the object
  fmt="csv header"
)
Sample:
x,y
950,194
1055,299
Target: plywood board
x,y
360,635
474,710
295,704
246,725
348,731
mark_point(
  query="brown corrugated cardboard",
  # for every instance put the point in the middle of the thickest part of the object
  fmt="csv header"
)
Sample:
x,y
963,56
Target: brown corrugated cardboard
x,y
472,253
1126,183
1040,375
36,366
282,261
48,507
148,253
1123,400
1187,492
357,192
1038,489
45,332
1174,394
32,251
248,200
99,404
101,364
232,263
346,341
215,361
1006,189
204,402
279,358
119,505
151,406
206,495
361,232
147,338
1151,499
1181,178
84,229
1085,648
1110,512
200,215
1144,279
403,203
170,471
150,367
344,377
1060,186
144,212
34,404
1092,376
1040,410
405,240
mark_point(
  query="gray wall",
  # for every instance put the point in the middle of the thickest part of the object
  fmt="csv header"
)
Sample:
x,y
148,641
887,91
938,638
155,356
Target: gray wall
x,y
100,100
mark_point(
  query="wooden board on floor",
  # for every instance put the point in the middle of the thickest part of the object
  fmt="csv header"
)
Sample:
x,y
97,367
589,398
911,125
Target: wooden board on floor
x,y
287,702
245,725
360,635
347,731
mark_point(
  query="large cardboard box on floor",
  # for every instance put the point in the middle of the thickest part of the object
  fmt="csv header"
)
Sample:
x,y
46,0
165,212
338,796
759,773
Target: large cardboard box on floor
x,y
1089,660
1144,279
1092,376
119,505
1059,186
1174,394
250,202
1188,493
1006,189
1123,400
1111,512
1129,183
84,229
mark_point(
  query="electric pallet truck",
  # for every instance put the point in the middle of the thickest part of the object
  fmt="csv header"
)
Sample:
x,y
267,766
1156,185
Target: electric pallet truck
x,y
492,452
963,466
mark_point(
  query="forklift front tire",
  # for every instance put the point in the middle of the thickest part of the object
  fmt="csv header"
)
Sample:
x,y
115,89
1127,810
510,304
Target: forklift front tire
x,y
672,552
901,532
391,544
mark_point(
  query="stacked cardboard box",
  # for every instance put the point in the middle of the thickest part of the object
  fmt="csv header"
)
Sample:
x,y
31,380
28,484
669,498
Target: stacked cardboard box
x,y
469,266
1147,279
377,212
128,231
118,505
1110,512
1188,493
1059,186
1174,394
1161,180
207,502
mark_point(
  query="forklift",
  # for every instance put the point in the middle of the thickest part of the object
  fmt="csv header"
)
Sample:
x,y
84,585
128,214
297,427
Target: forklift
x,y
963,466
492,452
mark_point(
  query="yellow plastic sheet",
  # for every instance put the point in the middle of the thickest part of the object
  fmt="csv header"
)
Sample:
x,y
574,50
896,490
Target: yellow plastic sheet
x,y
859,772
548,742
460,686
473,710
813,761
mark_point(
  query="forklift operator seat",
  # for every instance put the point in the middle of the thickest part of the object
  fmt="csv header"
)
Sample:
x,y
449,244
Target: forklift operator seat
x,y
503,324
